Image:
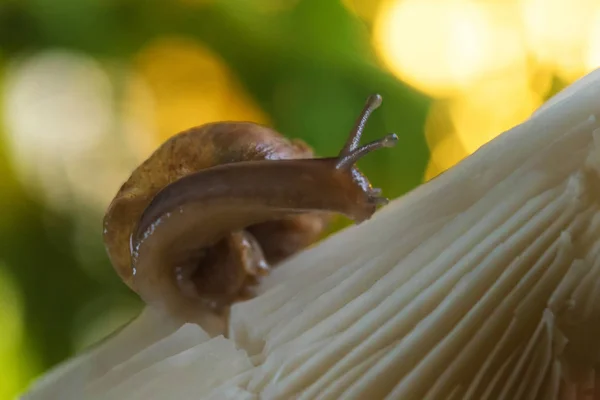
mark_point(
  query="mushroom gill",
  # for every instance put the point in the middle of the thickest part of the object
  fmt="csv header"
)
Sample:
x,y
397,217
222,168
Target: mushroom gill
x,y
483,283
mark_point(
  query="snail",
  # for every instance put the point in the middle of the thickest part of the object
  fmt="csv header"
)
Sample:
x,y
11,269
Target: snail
x,y
215,207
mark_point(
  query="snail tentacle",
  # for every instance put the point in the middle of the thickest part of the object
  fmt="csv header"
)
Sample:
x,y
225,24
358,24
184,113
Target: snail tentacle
x,y
373,102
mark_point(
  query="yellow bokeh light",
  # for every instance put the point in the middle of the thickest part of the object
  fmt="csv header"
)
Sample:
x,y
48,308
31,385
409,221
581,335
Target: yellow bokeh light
x,y
364,9
138,117
459,126
444,46
445,147
491,109
444,155
593,51
16,363
558,33
188,85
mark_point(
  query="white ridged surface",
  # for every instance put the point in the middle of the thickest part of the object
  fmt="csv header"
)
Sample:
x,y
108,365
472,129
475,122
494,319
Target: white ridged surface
x,y
468,286
481,284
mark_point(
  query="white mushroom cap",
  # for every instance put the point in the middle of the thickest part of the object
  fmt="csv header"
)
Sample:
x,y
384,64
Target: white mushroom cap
x,y
482,283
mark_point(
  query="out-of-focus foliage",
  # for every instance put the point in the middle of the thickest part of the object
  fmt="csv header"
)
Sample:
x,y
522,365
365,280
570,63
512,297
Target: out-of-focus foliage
x,y
89,88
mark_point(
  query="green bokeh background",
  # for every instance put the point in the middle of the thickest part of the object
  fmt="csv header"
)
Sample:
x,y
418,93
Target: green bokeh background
x,y
317,50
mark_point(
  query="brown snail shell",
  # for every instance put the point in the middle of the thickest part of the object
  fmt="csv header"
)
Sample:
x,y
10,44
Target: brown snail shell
x,y
215,206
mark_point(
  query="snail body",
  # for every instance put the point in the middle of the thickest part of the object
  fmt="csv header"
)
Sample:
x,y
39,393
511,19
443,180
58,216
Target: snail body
x,y
216,206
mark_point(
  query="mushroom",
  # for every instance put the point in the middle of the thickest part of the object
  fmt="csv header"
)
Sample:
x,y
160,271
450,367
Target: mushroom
x,y
483,283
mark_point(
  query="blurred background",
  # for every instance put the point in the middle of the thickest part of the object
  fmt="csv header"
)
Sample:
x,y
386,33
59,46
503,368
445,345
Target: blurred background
x,y
88,89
